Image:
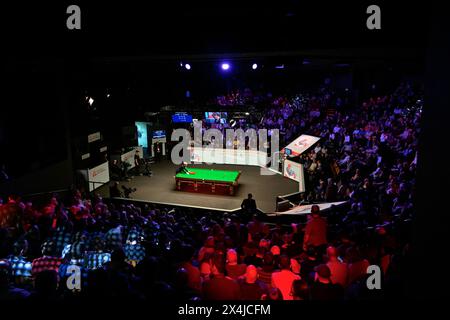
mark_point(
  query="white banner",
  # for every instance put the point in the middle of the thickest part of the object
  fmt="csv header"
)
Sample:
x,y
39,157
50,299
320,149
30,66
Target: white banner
x,y
98,176
306,209
228,156
93,137
301,144
158,140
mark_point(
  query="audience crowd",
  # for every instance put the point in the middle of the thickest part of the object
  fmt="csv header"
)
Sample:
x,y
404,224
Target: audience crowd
x,y
367,157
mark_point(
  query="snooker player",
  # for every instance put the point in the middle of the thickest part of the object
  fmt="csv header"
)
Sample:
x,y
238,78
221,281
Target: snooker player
x,y
183,169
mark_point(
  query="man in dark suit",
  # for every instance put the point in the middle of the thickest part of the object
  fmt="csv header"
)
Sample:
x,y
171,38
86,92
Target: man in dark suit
x,y
248,206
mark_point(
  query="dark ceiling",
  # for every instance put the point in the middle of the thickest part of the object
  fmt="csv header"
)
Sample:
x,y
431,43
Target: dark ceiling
x,y
131,29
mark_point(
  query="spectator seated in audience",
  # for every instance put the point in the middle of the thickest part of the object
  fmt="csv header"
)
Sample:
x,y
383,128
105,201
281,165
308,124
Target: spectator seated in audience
x,y
251,287
220,287
323,288
300,290
338,269
233,269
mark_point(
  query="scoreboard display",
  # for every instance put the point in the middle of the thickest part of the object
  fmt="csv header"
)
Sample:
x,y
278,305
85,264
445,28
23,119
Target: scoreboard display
x,y
181,117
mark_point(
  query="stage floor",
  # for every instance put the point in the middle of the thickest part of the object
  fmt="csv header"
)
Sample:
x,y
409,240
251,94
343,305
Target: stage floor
x,y
160,188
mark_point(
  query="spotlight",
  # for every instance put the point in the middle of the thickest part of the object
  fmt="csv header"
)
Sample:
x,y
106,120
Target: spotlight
x,y
254,66
225,66
187,66
91,101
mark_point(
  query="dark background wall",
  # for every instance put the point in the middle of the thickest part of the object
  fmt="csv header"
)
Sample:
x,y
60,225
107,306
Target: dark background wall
x,y
34,137
54,177
431,233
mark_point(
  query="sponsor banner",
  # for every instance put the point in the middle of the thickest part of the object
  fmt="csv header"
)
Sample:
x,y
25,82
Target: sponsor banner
x,y
98,176
294,171
228,156
93,137
158,140
301,144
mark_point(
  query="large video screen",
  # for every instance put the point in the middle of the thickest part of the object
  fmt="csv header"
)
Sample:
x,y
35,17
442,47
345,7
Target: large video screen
x,y
181,117
142,131
216,117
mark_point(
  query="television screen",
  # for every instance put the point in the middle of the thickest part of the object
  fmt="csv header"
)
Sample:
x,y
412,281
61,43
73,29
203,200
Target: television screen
x,y
181,117
142,133
216,117
158,134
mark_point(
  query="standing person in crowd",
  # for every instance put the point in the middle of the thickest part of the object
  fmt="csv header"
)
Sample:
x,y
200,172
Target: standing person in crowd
x,y
248,206
315,230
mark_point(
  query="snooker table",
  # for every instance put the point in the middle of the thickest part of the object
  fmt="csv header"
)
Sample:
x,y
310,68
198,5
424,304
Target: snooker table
x,y
208,181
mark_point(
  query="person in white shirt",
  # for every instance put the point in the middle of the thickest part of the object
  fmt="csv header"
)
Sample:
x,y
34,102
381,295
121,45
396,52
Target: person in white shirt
x,y
283,279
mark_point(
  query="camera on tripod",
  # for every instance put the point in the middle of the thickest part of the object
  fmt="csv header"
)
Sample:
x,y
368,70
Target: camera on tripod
x,y
127,191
